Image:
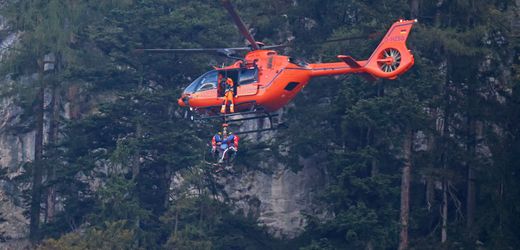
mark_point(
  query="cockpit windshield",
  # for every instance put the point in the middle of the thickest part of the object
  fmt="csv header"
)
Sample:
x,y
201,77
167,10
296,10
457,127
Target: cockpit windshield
x,y
204,82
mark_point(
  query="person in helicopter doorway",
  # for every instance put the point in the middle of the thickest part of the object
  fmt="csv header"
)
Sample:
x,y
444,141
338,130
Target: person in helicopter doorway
x,y
228,96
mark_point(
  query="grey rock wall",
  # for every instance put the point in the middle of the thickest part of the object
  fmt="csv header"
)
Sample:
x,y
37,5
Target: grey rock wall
x,y
277,196
15,148
279,199
268,191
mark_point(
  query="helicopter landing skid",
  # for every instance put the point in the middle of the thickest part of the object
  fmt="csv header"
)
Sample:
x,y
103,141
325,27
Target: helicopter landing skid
x,y
233,119
257,116
231,115
245,116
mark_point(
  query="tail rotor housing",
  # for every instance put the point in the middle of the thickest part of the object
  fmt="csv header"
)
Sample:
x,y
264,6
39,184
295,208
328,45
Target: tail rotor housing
x,y
392,58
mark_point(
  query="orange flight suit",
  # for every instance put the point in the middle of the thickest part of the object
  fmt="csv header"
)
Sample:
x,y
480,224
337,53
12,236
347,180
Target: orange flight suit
x,y
228,97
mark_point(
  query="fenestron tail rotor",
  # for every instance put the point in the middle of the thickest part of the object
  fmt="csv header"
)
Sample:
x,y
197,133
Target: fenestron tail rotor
x,y
389,60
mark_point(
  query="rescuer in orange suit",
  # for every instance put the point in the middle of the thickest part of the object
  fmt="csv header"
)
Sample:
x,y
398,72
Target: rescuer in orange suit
x,y
228,97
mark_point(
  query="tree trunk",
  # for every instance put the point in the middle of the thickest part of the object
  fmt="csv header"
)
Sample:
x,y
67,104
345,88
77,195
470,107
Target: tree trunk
x,y
444,133
470,202
176,222
430,178
444,212
444,230
370,246
430,193
34,223
74,104
444,159
136,161
374,170
405,191
53,138
471,195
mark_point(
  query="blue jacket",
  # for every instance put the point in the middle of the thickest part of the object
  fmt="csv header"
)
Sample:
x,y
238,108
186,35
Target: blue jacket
x,y
228,141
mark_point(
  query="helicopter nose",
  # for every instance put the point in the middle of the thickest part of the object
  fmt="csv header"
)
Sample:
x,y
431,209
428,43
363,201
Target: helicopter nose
x,y
184,101
181,102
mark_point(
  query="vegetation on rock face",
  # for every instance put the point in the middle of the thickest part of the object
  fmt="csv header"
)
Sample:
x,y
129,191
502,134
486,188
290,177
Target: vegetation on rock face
x,y
447,129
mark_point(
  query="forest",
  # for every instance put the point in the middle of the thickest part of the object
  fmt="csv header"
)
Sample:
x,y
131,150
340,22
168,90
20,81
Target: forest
x,y
105,158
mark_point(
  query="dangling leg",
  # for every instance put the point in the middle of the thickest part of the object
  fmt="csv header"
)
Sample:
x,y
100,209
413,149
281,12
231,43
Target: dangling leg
x,y
224,104
218,161
232,154
221,156
229,97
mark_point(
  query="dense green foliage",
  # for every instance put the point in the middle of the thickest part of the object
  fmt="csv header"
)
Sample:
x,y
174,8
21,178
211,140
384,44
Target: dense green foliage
x,y
114,162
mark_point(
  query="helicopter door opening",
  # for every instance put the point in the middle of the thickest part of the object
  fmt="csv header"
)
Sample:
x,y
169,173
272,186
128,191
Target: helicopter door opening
x,y
222,76
243,79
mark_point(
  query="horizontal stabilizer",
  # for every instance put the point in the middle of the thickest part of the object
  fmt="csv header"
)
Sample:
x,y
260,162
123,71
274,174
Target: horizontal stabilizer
x,y
354,64
350,61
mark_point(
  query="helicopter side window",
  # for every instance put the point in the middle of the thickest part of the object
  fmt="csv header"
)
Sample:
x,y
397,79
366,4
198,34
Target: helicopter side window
x,y
248,76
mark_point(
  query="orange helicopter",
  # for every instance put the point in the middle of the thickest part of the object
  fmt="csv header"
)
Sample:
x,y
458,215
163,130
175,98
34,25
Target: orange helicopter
x,y
266,81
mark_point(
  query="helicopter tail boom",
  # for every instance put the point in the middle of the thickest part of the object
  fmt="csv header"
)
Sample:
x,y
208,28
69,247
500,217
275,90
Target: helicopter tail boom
x,y
390,59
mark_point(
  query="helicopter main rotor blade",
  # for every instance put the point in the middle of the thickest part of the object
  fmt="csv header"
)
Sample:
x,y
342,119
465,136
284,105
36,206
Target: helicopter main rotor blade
x,y
276,46
194,50
370,37
241,27
290,44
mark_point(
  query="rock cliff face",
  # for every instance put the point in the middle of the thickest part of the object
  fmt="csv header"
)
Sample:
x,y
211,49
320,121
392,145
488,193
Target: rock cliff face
x,y
14,230
278,199
15,148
